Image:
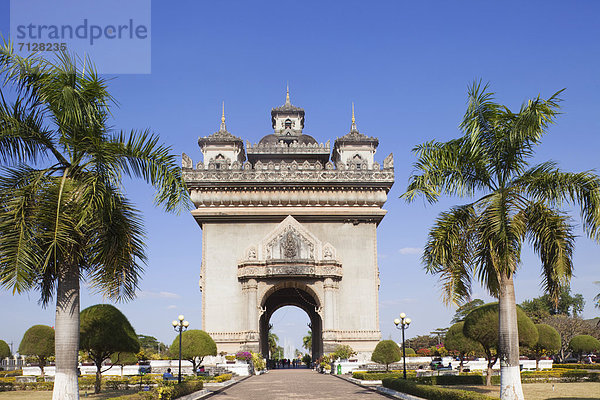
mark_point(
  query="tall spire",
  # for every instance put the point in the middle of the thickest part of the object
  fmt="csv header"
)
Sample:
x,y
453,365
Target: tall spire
x,y
287,95
353,127
223,128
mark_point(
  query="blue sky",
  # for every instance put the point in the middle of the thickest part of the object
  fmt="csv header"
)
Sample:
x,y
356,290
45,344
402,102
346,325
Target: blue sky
x,y
405,65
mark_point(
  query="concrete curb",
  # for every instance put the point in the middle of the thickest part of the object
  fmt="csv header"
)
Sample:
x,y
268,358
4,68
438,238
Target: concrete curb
x,y
356,382
380,389
397,395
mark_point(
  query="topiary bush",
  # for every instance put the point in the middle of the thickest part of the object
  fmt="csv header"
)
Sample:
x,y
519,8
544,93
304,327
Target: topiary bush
x,y
386,352
584,344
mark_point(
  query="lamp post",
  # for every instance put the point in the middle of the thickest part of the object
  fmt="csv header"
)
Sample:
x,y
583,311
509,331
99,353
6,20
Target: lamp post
x,y
180,326
403,323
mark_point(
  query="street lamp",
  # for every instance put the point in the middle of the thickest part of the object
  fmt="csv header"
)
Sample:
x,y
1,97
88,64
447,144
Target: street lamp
x,y
180,326
404,323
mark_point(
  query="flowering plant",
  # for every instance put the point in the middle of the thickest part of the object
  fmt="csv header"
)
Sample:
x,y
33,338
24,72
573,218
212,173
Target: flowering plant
x,y
244,355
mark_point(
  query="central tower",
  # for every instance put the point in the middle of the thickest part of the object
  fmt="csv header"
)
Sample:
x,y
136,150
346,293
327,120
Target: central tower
x,y
293,223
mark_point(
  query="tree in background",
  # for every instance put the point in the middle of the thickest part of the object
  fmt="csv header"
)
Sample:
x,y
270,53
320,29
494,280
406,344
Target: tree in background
x,y
456,340
582,344
548,343
542,307
124,358
386,352
104,330
482,326
422,342
277,353
343,352
4,350
153,349
410,352
64,216
195,345
568,328
465,309
307,341
38,342
273,340
482,240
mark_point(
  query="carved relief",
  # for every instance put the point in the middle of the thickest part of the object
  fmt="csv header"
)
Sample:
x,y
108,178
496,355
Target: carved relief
x,y
186,161
251,253
328,252
388,162
289,245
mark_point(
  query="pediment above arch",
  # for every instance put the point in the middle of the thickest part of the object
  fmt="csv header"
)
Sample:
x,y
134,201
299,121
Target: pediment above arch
x,y
290,250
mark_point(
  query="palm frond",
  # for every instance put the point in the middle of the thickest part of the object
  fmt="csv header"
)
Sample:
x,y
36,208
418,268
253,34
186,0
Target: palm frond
x,y
453,168
449,252
142,156
549,184
116,246
20,254
551,235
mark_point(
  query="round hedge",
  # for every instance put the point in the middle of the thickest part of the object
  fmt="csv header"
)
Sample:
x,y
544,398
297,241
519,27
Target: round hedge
x,y
481,325
38,341
4,349
386,352
584,344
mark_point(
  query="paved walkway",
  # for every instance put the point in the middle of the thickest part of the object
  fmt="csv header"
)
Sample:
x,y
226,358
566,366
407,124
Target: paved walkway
x,y
283,384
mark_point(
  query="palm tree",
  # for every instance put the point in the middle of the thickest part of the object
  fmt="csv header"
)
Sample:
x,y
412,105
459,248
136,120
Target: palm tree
x,y
63,214
482,240
273,339
307,341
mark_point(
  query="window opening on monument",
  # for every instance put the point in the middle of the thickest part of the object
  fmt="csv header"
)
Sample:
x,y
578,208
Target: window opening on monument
x,y
288,123
357,160
290,324
219,161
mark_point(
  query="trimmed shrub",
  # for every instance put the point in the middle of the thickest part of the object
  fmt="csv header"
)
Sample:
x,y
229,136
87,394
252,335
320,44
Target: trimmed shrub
x,y
377,376
16,372
386,352
577,366
223,378
166,391
584,344
4,349
449,380
432,392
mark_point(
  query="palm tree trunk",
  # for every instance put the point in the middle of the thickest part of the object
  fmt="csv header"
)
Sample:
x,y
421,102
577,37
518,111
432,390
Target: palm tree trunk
x,y
66,386
508,342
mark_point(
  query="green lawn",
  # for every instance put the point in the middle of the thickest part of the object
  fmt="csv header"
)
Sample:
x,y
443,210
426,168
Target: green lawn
x,y
544,391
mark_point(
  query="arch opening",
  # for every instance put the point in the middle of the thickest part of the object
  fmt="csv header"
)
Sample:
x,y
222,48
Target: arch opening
x,y
291,296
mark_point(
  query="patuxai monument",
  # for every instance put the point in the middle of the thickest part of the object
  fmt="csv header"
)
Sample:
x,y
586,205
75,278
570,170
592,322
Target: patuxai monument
x,y
289,221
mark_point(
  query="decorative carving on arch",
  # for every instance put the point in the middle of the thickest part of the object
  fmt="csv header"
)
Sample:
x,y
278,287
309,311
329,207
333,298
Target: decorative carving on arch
x,y
329,252
290,250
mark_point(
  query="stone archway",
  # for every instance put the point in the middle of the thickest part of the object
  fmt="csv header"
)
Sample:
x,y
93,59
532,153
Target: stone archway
x,y
291,295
